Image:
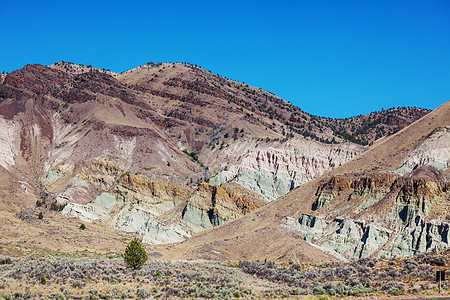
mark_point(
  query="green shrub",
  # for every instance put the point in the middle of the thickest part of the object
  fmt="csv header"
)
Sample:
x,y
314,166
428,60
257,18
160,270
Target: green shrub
x,y
319,290
395,292
7,296
135,255
40,216
82,227
57,207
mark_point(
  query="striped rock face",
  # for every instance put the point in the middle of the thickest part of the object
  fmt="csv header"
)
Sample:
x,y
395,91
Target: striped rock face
x,y
165,150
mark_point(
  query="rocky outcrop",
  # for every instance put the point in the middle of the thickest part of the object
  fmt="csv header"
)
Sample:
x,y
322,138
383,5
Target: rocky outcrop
x,y
275,169
364,191
160,211
398,213
385,215
8,150
433,151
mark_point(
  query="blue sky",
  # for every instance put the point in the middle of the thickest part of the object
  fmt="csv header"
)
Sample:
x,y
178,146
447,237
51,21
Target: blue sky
x,y
331,58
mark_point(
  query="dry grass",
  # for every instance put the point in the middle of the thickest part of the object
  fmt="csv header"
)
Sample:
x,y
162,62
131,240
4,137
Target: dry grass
x,y
24,233
72,277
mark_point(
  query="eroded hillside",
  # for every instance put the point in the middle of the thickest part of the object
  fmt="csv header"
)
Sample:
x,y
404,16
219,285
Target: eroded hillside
x,y
392,200
162,150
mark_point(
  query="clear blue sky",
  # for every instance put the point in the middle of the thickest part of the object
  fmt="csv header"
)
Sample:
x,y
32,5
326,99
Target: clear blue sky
x,y
331,58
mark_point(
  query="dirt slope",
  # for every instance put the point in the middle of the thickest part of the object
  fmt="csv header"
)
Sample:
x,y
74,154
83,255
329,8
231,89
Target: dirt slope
x,y
272,231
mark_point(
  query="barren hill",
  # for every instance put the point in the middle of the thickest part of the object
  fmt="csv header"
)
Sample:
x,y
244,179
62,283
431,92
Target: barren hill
x,y
393,200
162,150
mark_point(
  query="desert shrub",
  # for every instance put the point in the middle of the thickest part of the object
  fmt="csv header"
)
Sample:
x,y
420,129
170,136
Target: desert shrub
x,y
394,292
93,291
319,290
7,296
127,295
435,260
143,293
5,260
56,296
78,283
135,255
105,296
353,281
90,297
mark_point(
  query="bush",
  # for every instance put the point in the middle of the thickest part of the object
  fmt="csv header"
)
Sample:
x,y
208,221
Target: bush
x,y
135,255
143,293
57,207
395,292
82,227
40,216
7,296
78,283
319,290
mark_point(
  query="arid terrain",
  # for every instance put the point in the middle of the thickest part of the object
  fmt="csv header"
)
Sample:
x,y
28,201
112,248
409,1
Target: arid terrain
x,y
83,276
163,150
216,178
392,200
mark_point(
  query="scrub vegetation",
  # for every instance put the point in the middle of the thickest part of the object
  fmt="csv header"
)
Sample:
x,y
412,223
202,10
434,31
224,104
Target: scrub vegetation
x,y
110,278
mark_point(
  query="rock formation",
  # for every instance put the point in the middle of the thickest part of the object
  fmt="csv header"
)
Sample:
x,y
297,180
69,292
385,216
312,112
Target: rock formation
x,y
136,150
392,200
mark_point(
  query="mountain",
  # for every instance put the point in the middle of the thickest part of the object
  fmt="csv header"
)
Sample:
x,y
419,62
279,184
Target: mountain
x,y
162,150
257,137
392,200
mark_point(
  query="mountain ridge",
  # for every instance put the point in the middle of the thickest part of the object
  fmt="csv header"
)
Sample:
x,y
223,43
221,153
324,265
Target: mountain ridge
x,y
163,150
290,222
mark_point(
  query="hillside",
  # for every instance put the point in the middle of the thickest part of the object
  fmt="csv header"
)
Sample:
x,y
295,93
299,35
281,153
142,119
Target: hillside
x,y
268,128
162,150
390,201
186,80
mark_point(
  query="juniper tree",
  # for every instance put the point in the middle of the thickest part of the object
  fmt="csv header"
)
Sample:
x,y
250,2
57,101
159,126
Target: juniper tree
x,y
135,255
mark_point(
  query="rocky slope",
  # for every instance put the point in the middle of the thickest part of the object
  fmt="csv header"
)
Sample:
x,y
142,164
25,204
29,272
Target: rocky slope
x,y
257,137
83,140
392,200
401,212
135,150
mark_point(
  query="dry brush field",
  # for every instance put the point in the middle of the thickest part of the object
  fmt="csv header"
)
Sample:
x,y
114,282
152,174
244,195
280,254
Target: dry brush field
x,y
58,276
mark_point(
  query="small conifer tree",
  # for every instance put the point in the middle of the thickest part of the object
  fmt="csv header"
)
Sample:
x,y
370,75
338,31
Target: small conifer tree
x,y
135,255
